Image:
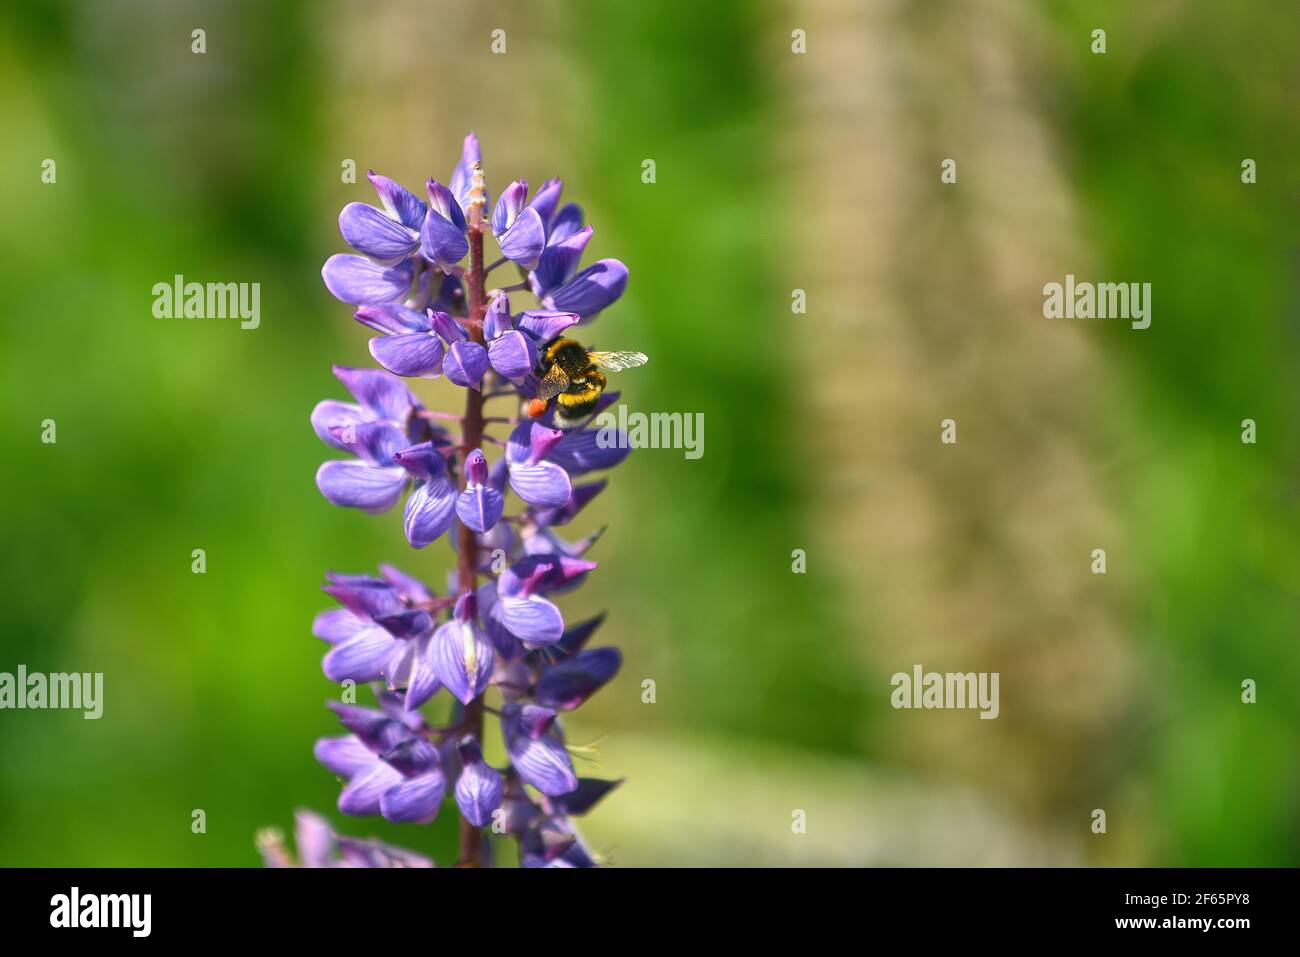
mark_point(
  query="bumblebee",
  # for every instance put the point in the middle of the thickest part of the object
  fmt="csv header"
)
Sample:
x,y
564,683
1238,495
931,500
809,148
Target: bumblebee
x,y
574,376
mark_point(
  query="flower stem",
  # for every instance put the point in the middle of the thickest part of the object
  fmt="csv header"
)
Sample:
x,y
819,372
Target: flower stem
x,y
471,837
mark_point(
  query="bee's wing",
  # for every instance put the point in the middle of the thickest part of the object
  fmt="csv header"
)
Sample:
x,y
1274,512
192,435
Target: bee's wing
x,y
617,361
552,384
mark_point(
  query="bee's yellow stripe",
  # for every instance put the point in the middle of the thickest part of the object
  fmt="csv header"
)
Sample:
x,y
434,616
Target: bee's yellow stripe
x,y
570,399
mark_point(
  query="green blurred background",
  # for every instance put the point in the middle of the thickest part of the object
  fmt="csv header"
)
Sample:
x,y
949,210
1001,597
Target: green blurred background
x,y
775,171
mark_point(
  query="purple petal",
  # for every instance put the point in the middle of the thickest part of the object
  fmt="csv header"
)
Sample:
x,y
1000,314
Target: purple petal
x,y
545,325
391,317
497,476
546,199
544,541
559,261
507,648
407,586
442,202
446,326
462,658
414,354
397,675
480,507
535,720
365,597
337,624
580,451
476,468
509,204
533,619
465,364
362,795
358,281
314,839
344,580
376,730
568,684
430,511
412,757
384,395
468,751
523,242
422,683
407,624
466,609
364,657
478,793
591,290
331,414
374,442
358,485
544,485
582,494
442,241
369,231
423,461
542,846
582,799
575,855
497,319
345,756
414,800
375,854
530,442
402,205
462,177
391,702
538,574
542,762
566,222
576,636
513,355
506,645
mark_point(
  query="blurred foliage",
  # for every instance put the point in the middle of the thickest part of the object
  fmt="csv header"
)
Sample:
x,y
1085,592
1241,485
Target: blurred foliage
x,y
183,434
1157,136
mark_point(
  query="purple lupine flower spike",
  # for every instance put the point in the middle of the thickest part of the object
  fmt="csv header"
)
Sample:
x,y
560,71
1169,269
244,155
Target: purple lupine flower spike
x,y
496,641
